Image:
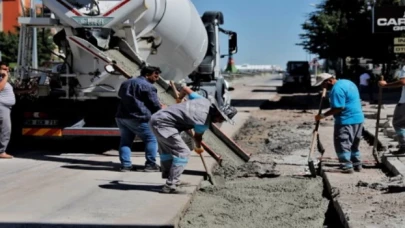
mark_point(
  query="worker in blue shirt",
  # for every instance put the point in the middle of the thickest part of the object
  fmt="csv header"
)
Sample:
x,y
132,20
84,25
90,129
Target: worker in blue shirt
x,y
138,101
347,111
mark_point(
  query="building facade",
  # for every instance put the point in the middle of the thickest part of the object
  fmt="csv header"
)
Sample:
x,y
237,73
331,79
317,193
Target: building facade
x,y
10,10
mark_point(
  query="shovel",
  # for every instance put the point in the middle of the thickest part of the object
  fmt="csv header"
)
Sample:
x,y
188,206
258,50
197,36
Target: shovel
x,y
315,137
375,152
209,175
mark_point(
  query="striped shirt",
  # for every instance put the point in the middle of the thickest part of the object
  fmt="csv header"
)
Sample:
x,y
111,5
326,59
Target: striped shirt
x,y
7,97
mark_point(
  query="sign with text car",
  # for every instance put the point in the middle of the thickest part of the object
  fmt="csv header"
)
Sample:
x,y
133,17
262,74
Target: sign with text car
x,y
389,19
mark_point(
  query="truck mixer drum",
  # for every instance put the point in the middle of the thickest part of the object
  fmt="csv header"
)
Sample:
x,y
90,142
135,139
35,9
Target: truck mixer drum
x,y
117,38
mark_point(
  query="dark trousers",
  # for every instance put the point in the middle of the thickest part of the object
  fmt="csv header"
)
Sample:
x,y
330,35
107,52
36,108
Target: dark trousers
x,y
347,141
366,90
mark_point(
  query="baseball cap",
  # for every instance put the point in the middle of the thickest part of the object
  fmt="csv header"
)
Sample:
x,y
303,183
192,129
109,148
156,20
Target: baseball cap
x,y
320,78
226,111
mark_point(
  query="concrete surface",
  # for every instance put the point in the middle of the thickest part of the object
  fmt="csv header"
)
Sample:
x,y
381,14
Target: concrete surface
x,y
248,95
250,198
74,188
387,137
49,187
358,203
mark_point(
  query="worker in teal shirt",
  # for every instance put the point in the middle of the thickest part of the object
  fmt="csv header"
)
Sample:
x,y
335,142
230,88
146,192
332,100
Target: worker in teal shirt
x,y
347,111
199,129
168,124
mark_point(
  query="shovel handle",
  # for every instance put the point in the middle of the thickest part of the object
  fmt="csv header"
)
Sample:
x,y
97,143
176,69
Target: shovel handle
x,y
375,143
173,86
320,107
203,161
214,155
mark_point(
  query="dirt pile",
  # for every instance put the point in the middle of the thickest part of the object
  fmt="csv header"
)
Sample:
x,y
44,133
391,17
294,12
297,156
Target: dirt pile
x,y
248,201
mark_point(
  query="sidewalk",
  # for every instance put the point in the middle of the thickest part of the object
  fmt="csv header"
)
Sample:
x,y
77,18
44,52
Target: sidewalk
x,y
386,137
85,189
357,198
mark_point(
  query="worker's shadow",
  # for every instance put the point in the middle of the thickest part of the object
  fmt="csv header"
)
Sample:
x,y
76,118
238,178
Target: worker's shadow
x,y
99,168
138,167
116,185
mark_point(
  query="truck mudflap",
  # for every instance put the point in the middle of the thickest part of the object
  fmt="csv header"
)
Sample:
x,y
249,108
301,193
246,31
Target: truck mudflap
x,y
59,132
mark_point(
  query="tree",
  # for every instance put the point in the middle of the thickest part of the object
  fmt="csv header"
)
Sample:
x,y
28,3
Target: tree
x,y
342,28
9,45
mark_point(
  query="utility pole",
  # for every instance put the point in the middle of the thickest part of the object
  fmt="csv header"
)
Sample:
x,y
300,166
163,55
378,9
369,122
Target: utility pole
x,y
34,38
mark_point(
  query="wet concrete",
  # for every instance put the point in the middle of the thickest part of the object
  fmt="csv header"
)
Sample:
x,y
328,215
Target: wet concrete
x,y
291,200
279,202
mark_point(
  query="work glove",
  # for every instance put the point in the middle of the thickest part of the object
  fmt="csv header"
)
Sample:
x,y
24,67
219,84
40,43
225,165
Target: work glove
x,y
199,150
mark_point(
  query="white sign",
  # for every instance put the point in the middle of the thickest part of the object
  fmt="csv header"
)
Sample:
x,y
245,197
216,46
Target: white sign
x,y
93,21
399,49
399,41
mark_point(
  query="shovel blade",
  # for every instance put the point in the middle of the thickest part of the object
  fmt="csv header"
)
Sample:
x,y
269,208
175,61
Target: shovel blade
x,y
312,169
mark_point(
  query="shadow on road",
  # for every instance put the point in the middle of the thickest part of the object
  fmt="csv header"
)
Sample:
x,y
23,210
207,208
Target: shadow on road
x,y
264,90
287,102
22,145
247,102
116,185
74,153
74,225
110,166
295,102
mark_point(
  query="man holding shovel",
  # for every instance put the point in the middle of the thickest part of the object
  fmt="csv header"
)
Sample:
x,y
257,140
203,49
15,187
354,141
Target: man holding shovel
x,y
346,109
399,113
196,113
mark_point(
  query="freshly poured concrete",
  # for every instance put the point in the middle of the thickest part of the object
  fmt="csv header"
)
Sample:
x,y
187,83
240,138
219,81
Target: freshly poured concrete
x,y
291,200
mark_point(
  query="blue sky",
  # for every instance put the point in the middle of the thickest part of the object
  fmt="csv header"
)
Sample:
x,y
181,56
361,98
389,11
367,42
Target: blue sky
x,y
267,29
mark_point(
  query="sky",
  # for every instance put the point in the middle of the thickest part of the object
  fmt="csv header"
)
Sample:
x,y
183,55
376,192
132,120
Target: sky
x,y
267,29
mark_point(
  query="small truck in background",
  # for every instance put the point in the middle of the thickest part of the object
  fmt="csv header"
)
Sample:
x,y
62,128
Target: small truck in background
x,y
297,76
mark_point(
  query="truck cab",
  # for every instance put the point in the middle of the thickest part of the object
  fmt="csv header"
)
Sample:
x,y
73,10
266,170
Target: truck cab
x,y
297,75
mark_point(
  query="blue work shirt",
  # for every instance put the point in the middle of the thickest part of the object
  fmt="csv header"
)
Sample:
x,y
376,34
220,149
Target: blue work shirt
x,y
139,99
200,129
345,95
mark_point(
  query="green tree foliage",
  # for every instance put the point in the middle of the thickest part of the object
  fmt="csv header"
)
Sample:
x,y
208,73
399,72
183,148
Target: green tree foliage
x,y
9,45
45,45
341,28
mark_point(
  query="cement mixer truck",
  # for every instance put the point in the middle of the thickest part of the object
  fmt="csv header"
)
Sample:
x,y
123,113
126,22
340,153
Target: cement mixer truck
x,y
103,43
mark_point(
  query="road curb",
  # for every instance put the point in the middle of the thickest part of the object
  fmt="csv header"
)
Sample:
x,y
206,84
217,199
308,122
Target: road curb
x,y
334,196
391,162
335,200
176,221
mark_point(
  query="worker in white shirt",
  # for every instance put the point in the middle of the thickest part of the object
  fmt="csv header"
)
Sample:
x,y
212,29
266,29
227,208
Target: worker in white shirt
x,y
399,113
366,86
